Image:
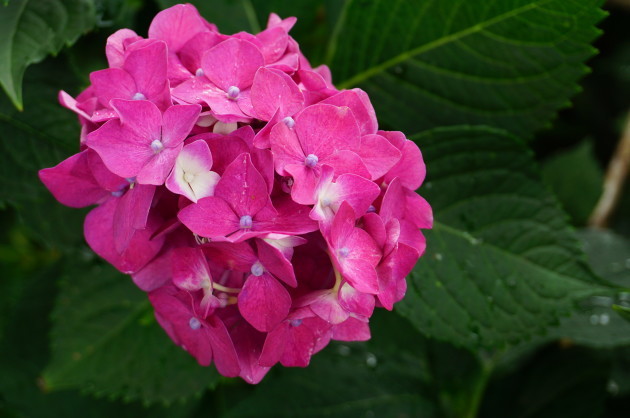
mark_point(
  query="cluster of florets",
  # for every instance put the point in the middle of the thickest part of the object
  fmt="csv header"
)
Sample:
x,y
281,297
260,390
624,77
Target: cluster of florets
x,y
261,208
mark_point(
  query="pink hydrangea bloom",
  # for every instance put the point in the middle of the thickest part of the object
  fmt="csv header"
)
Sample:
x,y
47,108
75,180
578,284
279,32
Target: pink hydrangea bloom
x,y
261,209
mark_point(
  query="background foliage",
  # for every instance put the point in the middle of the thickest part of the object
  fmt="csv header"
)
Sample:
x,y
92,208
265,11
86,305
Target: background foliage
x,y
510,311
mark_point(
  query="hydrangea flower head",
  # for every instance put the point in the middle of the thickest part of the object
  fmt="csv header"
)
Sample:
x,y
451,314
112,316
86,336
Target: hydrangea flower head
x,y
261,209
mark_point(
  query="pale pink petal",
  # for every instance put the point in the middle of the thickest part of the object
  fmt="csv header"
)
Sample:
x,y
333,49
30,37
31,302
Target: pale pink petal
x,y
351,330
324,129
356,302
410,169
274,42
190,269
116,45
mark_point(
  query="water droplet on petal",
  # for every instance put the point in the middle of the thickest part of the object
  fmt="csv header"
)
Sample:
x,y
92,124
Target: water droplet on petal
x,y
594,319
343,350
371,360
604,319
612,387
438,256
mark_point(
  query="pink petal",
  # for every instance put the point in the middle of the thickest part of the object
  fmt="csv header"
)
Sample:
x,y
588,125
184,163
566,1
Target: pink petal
x,y
72,183
351,330
273,91
263,302
232,63
176,25
410,169
356,302
324,129
359,103
378,155
113,83
178,121
142,248
243,187
277,264
190,269
224,353
155,274
274,42
131,214
147,66
116,45
305,181
211,217
286,147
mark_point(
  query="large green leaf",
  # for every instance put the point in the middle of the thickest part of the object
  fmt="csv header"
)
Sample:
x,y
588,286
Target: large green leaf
x,y
106,341
428,63
41,136
32,29
387,376
501,262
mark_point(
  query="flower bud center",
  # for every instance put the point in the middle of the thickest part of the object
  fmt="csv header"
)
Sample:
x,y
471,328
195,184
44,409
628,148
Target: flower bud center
x,y
289,122
139,96
311,160
194,323
257,269
344,251
233,92
189,177
199,72
245,222
157,146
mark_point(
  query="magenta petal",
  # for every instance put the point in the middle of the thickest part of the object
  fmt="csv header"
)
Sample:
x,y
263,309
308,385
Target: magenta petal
x,y
113,83
305,181
275,344
277,264
359,102
274,42
154,274
291,218
72,182
410,169
326,305
116,45
131,214
190,269
351,330
174,316
356,302
224,353
211,217
361,274
263,302
248,343
345,161
232,63
178,121
378,155
98,229
324,129
286,147
176,25
243,187
273,91
147,66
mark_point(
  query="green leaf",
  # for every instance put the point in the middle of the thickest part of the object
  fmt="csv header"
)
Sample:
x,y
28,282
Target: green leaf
x,y
32,29
577,189
106,341
24,352
501,262
387,376
42,136
429,63
556,382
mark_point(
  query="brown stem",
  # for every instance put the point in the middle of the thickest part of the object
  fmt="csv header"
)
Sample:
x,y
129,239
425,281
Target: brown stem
x,y
616,175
